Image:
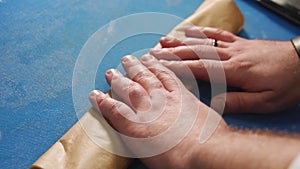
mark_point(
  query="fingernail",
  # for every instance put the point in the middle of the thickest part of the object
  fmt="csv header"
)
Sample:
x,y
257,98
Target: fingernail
x,y
128,58
95,93
111,72
147,58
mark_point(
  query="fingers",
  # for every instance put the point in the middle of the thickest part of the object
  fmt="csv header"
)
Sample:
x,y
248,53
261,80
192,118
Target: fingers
x,y
208,32
167,77
208,70
168,42
116,112
190,53
146,79
129,91
140,74
243,102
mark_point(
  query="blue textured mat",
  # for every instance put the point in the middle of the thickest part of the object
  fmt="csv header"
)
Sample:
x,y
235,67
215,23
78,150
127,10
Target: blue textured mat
x,y
40,42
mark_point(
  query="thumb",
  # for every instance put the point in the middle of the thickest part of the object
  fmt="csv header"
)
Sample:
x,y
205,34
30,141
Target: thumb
x,y
242,102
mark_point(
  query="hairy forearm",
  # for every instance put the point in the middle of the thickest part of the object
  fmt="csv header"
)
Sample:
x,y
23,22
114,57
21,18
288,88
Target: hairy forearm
x,y
247,149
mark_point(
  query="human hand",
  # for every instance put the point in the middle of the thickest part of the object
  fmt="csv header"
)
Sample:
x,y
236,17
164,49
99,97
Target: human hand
x,y
267,71
154,102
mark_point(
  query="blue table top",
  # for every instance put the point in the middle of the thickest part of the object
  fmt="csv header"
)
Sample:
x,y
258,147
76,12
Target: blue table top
x,y
40,42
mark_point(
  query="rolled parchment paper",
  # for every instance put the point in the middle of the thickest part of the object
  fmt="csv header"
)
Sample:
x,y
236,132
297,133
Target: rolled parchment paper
x,y
76,150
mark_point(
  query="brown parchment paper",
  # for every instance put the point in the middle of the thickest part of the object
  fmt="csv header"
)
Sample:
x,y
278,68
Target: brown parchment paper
x,y
75,150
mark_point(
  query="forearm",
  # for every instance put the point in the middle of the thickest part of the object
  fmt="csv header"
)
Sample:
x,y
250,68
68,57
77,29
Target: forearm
x,y
246,149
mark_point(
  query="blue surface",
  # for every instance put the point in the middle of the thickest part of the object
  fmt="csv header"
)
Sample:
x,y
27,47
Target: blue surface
x,y
40,42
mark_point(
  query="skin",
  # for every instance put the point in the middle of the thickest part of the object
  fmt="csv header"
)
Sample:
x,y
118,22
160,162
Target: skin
x,y
268,72
227,148
146,76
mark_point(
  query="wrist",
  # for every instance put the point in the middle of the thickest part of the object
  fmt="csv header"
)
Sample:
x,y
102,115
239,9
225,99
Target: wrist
x,y
194,149
192,153
206,155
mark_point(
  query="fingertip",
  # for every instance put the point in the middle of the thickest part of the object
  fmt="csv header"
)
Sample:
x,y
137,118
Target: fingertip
x,y
191,28
153,51
94,93
166,39
128,58
169,42
95,97
110,73
162,39
164,42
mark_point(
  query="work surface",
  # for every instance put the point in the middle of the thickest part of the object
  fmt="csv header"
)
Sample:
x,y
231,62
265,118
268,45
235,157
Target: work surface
x,y
40,42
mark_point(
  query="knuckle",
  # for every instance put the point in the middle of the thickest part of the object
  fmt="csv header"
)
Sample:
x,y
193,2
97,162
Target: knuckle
x,y
146,77
199,50
140,76
200,65
115,107
269,103
201,70
177,51
161,72
226,51
135,91
240,102
175,40
156,85
219,31
242,65
233,65
173,50
228,65
165,76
